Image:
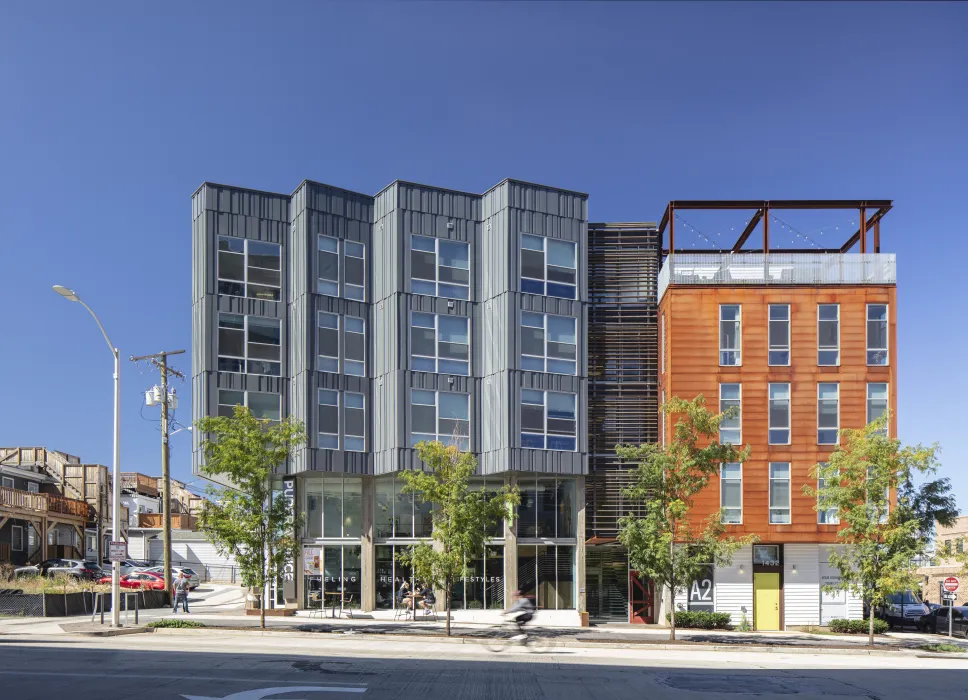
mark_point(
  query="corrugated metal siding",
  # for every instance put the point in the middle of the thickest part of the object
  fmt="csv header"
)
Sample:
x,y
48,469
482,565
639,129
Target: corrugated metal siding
x,y
734,591
801,588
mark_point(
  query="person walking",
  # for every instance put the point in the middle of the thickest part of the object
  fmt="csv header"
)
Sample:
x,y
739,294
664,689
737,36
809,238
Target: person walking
x,y
180,592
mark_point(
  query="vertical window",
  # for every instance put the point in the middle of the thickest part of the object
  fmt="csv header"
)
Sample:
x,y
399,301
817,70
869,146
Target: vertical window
x,y
327,343
779,493
825,516
960,545
354,412
262,405
730,335
439,267
779,414
548,266
354,346
249,344
947,546
231,343
328,264
877,334
354,270
548,420
877,404
439,415
662,343
731,492
828,413
662,417
549,343
828,335
328,419
440,343
731,429
17,538
779,350
249,268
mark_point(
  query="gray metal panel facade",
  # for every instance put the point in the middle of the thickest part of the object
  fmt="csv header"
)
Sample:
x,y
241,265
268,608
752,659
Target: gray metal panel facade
x,y
490,223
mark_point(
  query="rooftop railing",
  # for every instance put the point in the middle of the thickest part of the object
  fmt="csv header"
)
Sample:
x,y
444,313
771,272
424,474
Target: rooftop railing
x,y
757,269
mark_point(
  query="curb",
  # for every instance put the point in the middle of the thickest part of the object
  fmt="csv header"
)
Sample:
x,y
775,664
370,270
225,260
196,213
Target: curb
x,y
570,644
109,632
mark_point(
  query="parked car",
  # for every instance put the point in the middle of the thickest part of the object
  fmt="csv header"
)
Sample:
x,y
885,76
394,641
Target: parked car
x,y
75,568
937,621
139,580
902,609
128,566
193,579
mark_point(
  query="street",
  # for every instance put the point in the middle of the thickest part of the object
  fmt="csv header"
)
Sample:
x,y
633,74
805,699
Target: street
x,y
249,666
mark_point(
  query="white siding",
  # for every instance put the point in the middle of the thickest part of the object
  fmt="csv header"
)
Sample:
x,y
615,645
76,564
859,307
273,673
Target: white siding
x,y
733,590
855,607
801,588
681,601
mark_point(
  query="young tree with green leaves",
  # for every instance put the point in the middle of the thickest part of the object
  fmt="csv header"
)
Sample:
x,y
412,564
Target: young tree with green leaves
x,y
462,517
666,544
248,522
881,542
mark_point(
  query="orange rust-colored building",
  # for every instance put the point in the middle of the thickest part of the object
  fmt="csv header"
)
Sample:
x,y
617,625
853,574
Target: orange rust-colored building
x,y
802,343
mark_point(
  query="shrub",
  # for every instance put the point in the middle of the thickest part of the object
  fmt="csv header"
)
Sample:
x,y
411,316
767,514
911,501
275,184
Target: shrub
x,y
175,624
841,626
700,619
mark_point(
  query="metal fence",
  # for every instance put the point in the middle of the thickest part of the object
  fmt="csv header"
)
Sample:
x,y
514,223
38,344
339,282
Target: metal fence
x,y
208,573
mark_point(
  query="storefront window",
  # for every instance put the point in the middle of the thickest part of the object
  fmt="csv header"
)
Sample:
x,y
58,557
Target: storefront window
x,y
333,508
402,511
383,512
352,508
332,576
483,587
390,575
546,574
399,514
547,508
313,508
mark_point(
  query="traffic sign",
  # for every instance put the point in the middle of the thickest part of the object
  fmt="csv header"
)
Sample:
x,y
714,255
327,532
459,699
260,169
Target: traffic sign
x,y
951,584
118,551
949,596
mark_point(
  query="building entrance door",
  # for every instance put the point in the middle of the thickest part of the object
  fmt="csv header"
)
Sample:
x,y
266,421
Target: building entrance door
x,y
766,602
606,582
641,600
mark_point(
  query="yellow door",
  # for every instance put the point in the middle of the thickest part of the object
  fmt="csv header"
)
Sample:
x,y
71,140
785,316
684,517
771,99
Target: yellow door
x,y
766,601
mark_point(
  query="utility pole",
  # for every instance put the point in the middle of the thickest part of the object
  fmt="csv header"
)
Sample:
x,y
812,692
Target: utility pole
x,y
160,360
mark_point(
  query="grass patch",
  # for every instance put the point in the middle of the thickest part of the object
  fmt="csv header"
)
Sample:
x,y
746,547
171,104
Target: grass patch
x,y
813,629
171,623
942,648
57,584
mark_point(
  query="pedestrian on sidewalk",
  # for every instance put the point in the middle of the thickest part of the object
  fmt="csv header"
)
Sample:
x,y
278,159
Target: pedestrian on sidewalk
x,y
180,592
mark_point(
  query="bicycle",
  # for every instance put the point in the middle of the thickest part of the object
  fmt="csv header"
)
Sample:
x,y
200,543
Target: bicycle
x,y
510,633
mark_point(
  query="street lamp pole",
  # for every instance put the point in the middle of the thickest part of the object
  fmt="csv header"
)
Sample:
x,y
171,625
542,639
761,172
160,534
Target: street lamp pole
x,y
116,468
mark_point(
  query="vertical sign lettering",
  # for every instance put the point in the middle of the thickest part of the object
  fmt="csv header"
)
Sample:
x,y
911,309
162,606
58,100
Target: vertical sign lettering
x,y
289,568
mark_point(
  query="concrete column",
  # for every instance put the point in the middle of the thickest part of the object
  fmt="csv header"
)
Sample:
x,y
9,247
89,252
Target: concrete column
x,y
580,548
510,554
367,550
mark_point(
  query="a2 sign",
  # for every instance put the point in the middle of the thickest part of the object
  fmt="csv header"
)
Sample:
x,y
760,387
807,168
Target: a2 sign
x,y
701,592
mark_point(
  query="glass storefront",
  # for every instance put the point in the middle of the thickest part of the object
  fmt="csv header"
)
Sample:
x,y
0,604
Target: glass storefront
x,y
483,587
399,514
332,575
390,575
547,509
333,508
546,574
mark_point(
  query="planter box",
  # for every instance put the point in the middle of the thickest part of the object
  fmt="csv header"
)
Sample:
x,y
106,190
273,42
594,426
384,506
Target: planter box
x,y
275,612
584,619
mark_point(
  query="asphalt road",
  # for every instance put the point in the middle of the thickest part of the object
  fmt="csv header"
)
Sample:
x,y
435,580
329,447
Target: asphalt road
x,y
249,666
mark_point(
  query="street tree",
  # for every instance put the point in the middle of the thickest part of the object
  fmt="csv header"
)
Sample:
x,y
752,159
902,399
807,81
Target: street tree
x,y
462,517
666,542
248,522
882,493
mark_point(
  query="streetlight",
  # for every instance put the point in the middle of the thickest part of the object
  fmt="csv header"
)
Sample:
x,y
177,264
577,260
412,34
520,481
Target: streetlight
x,y
116,470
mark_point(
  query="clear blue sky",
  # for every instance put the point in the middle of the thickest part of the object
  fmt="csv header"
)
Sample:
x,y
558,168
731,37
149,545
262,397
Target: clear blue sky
x,y
112,114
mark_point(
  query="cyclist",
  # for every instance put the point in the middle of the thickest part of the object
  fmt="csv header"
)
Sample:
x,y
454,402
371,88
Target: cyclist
x,y
521,612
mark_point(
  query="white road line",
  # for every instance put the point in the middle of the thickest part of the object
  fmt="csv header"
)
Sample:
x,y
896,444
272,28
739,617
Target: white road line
x,y
183,678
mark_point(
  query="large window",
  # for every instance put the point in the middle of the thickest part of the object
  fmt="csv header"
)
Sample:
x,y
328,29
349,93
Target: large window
x,y
333,575
828,412
439,415
877,403
333,508
730,335
825,516
353,420
547,509
731,492
390,575
779,350
779,414
440,343
549,343
548,420
354,344
327,342
328,264
546,575
483,587
828,335
263,405
249,268
400,515
548,267
249,344
439,267
731,429
877,334
779,493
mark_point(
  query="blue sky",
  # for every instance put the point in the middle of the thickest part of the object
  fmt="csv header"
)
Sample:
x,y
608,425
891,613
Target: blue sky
x,y
113,114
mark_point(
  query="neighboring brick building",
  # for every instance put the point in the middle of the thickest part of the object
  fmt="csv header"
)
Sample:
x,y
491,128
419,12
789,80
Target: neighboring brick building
x,y
948,543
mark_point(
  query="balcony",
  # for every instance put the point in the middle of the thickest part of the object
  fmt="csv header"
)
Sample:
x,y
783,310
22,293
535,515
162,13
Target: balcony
x,y
16,503
179,521
139,483
757,269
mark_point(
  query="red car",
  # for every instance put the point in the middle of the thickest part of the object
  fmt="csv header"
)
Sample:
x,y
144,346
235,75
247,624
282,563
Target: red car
x,y
140,580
